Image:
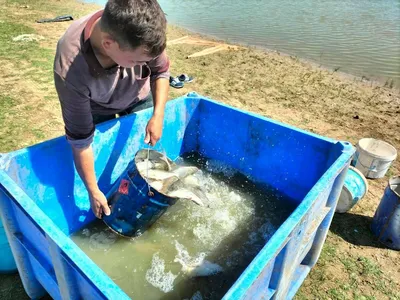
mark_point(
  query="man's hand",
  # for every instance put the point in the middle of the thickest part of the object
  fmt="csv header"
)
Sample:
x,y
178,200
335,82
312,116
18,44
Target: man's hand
x,y
154,129
155,126
84,163
98,203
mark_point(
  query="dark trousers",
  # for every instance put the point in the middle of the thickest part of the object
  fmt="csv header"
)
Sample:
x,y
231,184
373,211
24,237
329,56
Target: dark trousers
x,y
146,103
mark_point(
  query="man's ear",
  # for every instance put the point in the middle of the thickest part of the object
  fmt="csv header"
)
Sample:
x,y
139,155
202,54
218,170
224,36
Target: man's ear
x,y
108,42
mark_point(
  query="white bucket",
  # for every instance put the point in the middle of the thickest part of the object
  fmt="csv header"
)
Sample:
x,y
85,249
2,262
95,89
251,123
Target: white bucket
x,y
354,189
374,157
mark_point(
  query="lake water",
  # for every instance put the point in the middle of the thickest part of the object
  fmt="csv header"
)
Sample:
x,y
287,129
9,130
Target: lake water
x,y
362,37
192,250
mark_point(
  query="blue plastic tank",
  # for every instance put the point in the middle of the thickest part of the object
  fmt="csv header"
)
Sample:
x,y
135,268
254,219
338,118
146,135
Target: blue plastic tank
x,y
40,211
386,223
7,263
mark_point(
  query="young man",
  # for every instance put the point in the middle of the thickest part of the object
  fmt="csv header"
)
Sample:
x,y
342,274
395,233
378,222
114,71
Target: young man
x,y
107,63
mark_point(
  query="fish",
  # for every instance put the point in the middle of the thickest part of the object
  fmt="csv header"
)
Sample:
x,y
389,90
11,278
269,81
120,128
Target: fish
x,y
159,160
183,193
202,269
196,266
158,175
169,178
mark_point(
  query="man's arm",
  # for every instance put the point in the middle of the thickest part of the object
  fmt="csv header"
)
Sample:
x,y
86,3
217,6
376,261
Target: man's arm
x,y
84,163
160,88
79,129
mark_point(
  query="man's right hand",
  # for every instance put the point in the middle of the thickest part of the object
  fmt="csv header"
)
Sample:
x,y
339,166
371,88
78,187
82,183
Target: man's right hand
x,y
84,163
98,203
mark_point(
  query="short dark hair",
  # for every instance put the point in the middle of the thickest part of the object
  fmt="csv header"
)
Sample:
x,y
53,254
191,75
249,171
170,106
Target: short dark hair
x,y
134,23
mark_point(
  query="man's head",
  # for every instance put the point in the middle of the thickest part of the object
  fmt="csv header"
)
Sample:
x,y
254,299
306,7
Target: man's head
x,y
134,31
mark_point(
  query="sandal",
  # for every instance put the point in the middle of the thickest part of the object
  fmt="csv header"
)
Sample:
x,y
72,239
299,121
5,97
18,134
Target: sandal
x,y
185,78
175,82
56,19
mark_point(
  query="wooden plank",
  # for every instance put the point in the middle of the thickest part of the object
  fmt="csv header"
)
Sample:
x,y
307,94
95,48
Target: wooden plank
x,y
192,41
209,51
177,41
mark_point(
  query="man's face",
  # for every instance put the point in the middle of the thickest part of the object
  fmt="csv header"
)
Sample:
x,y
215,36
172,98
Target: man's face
x,y
126,58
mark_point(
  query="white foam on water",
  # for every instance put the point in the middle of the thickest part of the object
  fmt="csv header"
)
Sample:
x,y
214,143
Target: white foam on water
x,y
157,276
196,266
211,231
228,210
234,197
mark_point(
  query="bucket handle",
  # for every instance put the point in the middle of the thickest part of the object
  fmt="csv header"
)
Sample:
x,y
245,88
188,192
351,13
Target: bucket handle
x,y
371,169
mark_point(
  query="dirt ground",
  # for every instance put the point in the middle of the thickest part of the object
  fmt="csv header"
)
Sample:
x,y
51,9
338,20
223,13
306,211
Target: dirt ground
x,y
353,265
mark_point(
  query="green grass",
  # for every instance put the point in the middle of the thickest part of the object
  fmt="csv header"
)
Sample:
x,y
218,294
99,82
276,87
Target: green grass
x,y
37,57
22,61
360,272
391,172
6,103
10,127
336,294
30,53
8,30
41,7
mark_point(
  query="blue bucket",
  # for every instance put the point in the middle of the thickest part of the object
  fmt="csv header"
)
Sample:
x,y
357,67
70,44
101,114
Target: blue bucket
x,y
7,263
133,208
354,189
386,222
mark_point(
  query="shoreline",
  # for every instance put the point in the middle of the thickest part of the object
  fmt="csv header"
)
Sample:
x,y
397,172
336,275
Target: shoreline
x,y
367,80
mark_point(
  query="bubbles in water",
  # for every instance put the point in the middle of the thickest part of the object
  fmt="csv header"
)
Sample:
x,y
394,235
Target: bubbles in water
x,y
234,197
213,229
228,210
86,232
266,231
233,259
216,166
102,240
157,276
259,237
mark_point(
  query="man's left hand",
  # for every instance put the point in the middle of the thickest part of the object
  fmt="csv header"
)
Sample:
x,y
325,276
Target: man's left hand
x,y
154,129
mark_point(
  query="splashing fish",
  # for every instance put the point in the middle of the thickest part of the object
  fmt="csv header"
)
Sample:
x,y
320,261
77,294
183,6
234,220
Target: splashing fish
x,y
169,178
196,266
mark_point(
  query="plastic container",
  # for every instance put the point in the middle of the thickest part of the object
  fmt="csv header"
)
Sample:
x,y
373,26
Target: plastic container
x,y
7,263
386,222
374,157
354,189
43,199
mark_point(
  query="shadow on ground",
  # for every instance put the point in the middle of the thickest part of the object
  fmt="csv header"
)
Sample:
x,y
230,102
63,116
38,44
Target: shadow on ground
x,y
355,229
11,288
